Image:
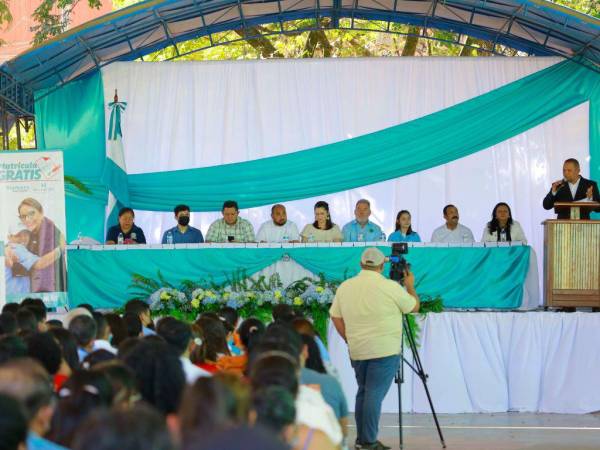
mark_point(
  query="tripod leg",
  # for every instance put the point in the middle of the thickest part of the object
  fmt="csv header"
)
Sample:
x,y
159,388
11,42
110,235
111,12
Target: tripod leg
x,y
399,381
422,375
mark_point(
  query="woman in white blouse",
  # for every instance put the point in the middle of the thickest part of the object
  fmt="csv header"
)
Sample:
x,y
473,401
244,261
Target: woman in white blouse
x,y
322,229
502,227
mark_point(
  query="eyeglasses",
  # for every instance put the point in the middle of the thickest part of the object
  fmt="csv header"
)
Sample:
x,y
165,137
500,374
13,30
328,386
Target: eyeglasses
x,y
29,215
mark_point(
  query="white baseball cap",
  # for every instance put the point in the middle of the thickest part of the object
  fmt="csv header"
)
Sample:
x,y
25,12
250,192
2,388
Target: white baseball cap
x,y
372,257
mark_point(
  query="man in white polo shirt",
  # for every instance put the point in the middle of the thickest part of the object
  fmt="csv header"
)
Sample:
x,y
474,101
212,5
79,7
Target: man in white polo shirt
x,y
367,313
279,228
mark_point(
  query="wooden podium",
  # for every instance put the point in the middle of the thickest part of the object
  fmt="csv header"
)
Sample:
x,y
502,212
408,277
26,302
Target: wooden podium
x,y
572,259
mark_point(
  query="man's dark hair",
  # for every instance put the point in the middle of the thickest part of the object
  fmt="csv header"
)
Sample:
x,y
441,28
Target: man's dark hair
x,y
572,161
44,348
26,320
448,206
8,323
84,330
230,204
84,393
230,315
136,307
26,380
117,328
279,337
11,308
159,374
12,347
180,208
101,324
283,312
13,424
133,429
275,369
126,210
133,324
87,306
36,303
68,344
38,311
176,333
54,323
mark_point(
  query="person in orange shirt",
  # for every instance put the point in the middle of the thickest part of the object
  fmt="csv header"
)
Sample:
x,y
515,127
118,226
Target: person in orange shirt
x,y
249,332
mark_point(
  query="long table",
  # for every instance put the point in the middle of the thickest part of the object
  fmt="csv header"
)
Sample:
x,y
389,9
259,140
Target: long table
x,y
466,277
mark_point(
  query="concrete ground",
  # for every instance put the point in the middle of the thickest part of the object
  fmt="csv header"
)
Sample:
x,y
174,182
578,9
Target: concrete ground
x,y
501,431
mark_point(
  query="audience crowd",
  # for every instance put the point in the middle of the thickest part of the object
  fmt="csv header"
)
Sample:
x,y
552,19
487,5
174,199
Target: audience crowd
x,y
105,381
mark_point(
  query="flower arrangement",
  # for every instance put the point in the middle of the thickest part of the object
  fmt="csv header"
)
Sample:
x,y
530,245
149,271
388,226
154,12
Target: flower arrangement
x,y
252,297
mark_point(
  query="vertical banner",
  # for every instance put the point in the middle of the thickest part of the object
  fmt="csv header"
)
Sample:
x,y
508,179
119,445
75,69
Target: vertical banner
x,y
2,280
33,226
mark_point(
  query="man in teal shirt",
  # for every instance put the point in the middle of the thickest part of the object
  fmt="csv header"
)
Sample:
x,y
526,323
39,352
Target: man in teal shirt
x,y
362,229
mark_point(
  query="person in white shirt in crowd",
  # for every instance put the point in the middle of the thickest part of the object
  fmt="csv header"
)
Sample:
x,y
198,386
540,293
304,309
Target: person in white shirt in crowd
x,y
361,229
178,335
102,341
502,227
278,229
452,232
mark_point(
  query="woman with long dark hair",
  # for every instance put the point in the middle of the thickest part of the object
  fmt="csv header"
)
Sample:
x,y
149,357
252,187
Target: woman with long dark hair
x,y
322,229
404,231
502,227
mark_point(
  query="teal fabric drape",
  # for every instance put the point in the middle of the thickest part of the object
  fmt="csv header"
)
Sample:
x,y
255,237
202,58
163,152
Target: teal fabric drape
x,y
72,120
475,277
390,153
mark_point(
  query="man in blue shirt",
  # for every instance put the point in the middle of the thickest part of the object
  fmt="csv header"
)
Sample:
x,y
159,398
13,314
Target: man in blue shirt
x,y
361,229
183,233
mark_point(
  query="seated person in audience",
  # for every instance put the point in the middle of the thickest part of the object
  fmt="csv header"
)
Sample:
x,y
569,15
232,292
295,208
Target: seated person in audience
x,y
126,230
572,188
27,381
158,372
182,233
213,337
502,227
178,335
46,350
322,229
272,408
452,232
404,231
142,310
278,229
230,318
13,426
250,332
141,427
231,228
84,330
361,229
102,341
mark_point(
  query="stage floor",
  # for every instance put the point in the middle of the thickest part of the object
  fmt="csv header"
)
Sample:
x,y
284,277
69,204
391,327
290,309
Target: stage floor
x,y
501,431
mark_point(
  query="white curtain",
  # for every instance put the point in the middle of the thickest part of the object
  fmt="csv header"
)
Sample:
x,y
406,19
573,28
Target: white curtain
x,y
496,362
194,114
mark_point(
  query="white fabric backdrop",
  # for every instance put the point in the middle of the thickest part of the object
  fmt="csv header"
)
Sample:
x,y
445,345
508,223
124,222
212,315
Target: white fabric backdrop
x,y
494,362
183,115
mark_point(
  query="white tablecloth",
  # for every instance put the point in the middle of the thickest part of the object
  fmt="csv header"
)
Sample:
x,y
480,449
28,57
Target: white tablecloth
x,y
497,362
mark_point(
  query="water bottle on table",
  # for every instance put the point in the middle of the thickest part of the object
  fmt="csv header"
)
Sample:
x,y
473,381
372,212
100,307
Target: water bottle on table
x,y
169,237
120,239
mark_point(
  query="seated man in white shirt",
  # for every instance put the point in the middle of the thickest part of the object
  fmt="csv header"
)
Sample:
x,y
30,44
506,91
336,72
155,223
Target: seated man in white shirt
x,y
452,232
278,229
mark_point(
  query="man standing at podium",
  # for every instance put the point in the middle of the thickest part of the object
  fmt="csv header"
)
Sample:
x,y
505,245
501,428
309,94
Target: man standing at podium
x,y
572,188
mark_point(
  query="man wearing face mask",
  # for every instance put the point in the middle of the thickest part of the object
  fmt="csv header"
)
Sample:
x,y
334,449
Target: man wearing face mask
x,y
452,232
183,233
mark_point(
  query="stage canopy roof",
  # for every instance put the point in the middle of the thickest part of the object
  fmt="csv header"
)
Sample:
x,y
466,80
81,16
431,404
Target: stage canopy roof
x,y
536,27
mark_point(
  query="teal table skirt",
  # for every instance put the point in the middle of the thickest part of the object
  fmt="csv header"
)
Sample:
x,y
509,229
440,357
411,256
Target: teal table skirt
x,y
465,277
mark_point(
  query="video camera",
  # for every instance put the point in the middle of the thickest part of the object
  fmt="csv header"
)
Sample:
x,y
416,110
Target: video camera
x,y
399,265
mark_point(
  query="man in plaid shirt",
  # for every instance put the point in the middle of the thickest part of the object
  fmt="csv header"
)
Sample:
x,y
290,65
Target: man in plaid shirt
x,y
231,228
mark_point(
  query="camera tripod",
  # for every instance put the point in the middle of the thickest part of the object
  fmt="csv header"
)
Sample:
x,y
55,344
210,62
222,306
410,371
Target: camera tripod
x,y
417,368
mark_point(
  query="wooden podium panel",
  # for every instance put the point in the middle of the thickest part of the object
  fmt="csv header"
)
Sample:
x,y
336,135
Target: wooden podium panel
x,y
572,263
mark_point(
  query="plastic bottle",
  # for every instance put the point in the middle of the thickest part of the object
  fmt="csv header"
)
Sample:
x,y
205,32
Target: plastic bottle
x,y
169,237
120,239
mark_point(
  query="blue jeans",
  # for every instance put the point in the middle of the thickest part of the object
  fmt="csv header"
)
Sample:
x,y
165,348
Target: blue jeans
x,y
374,377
